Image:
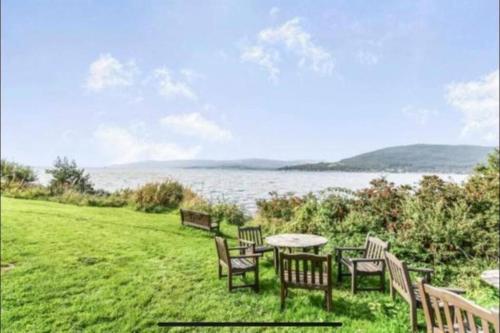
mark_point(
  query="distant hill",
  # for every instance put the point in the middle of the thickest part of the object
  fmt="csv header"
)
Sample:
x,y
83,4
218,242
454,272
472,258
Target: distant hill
x,y
248,164
412,158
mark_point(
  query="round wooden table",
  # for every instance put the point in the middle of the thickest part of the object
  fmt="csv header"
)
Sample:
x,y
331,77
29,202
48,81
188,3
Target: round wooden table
x,y
294,241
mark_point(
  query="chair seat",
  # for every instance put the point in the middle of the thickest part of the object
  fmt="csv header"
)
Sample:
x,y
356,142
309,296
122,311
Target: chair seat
x,y
365,267
293,279
242,264
263,248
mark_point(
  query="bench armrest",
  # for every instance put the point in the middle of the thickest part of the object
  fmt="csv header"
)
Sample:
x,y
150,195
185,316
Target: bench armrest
x,y
458,291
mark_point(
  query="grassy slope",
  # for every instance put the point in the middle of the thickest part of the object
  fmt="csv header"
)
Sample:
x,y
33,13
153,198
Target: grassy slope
x,y
114,269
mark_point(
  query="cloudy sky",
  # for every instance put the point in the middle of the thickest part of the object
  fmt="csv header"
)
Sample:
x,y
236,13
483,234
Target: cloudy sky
x,y
121,81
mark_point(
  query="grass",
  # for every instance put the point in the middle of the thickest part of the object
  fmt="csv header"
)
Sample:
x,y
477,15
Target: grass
x,y
69,268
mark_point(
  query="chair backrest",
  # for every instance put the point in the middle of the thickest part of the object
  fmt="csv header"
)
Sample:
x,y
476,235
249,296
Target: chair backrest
x,y
400,277
222,250
253,234
194,217
444,309
304,270
375,248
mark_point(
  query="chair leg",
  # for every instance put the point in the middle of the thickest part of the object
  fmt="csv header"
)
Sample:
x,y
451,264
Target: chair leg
x,y
413,319
256,272
283,293
220,271
353,281
230,281
339,273
382,282
328,297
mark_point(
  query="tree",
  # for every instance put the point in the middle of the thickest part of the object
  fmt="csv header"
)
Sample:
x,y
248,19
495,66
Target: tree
x,y
67,176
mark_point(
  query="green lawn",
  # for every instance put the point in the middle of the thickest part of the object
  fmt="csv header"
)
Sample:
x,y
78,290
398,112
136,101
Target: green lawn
x,y
113,269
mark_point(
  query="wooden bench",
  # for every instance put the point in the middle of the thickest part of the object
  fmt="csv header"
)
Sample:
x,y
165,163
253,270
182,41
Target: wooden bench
x,y
448,312
401,283
371,262
198,220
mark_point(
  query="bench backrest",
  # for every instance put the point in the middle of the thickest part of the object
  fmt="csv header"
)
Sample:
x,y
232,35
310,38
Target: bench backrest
x,y
194,217
400,277
222,251
253,234
375,248
444,309
307,271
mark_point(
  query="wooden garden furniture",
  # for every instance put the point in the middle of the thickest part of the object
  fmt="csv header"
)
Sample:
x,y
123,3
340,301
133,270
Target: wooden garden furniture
x,y
237,264
198,220
371,262
302,242
447,312
400,282
306,271
253,236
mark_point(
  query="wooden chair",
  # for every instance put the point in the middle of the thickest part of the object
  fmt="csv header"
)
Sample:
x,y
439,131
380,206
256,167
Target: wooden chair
x,y
447,312
198,220
237,264
253,236
306,271
400,282
371,262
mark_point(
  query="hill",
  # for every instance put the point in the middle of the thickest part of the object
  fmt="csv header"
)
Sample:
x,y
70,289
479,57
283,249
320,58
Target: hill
x,y
412,158
250,164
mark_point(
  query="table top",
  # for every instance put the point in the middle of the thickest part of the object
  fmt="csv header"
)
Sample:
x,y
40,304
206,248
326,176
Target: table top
x,y
296,240
492,277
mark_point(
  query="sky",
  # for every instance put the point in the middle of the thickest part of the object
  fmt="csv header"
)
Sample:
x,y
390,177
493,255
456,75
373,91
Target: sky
x,y
107,82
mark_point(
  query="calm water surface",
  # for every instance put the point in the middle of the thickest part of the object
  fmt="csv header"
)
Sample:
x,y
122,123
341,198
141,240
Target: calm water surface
x,y
245,186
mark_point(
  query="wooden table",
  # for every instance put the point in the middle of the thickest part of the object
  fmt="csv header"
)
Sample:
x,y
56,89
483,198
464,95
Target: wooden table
x,y
492,277
294,241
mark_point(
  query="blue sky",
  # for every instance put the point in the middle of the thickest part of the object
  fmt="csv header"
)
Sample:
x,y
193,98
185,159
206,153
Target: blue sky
x,y
120,81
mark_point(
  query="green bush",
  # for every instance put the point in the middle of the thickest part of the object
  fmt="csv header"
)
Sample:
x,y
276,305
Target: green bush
x,y
159,196
33,192
15,174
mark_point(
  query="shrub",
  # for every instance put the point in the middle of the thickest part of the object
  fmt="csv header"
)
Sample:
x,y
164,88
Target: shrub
x,y
159,196
33,192
17,174
229,213
67,176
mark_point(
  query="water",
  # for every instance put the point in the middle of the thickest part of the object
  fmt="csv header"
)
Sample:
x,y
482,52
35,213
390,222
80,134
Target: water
x,y
245,186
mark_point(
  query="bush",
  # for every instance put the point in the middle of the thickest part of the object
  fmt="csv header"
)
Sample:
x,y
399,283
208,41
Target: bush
x,y
158,197
66,176
33,192
17,174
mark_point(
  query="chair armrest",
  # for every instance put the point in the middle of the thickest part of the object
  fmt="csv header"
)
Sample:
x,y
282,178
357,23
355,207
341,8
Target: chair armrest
x,y
427,272
348,248
367,260
246,241
238,248
253,255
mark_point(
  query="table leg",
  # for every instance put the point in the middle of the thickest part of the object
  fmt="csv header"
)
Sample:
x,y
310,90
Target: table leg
x,y
316,250
276,259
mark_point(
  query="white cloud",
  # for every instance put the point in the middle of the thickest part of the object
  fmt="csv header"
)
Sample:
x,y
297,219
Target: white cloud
x,y
262,57
194,124
367,58
108,72
273,12
478,102
292,37
419,115
171,88
124,146
190,75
